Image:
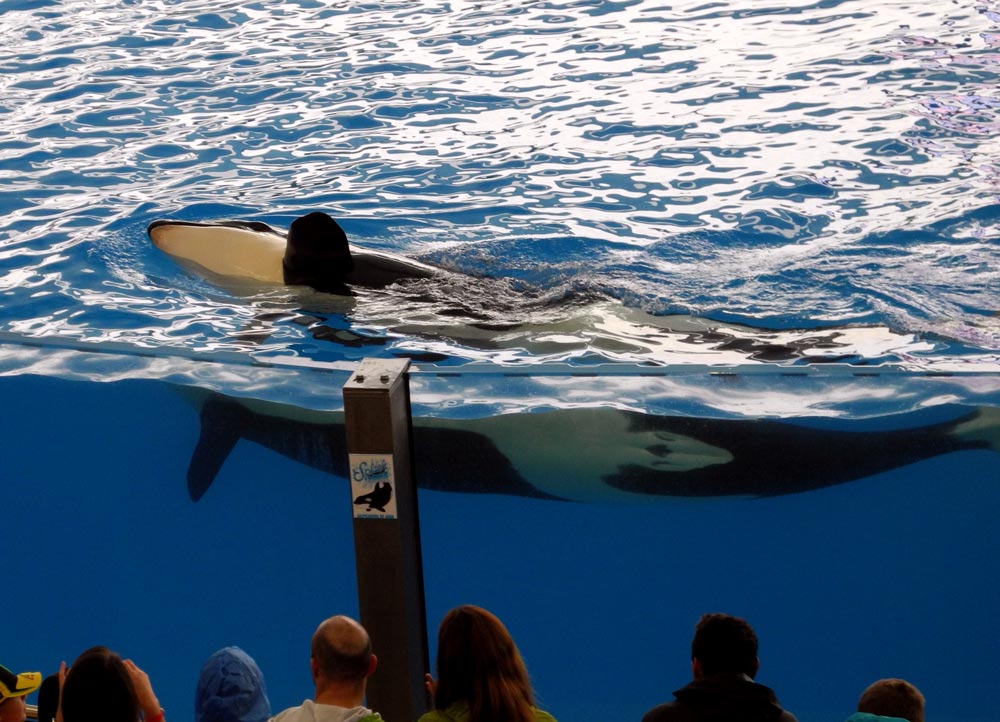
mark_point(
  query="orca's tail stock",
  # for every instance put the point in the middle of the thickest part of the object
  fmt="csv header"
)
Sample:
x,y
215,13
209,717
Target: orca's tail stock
x,y
220,430
981,428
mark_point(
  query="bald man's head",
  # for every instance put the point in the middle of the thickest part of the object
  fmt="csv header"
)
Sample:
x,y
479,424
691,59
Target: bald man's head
x,y
341,651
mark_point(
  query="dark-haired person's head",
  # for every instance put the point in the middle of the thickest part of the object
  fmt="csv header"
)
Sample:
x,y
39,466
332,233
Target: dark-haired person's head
x,y
893,698
98,688
341,654
478,662
723,644
48,698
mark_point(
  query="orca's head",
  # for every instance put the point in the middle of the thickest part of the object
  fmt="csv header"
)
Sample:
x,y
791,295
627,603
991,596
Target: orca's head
x,y
317,254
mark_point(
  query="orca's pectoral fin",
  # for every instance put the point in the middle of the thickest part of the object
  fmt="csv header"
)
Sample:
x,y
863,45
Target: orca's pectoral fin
x,y
219,434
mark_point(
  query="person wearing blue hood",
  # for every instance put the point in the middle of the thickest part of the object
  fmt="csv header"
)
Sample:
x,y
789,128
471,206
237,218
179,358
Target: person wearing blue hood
x,y
231,689
890,700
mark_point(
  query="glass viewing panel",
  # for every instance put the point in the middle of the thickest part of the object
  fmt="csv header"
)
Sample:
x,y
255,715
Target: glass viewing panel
x,y
170,508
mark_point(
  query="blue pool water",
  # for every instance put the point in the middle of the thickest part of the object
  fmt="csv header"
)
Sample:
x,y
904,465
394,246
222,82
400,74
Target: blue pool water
x,y
889,574
773,187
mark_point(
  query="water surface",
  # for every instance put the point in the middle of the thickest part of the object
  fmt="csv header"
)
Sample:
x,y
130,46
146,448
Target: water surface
x,y
786,166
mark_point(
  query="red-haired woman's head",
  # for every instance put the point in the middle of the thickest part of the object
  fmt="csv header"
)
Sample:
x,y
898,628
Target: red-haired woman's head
x,y
477,661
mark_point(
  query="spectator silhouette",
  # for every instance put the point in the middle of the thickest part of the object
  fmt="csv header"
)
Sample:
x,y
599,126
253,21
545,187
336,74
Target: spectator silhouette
x,y
14,688
890,700
48,698
481,676
102,687
341,661
723,664
231,689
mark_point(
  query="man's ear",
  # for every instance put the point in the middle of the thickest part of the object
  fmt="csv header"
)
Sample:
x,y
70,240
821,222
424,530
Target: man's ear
x,y
372,664
696,671
314,669
756,666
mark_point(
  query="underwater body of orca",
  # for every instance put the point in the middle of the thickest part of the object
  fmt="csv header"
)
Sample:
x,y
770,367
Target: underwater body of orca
x,y
593,454
413,299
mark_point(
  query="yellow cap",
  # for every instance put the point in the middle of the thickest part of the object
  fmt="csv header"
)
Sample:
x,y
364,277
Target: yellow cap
x,y
18,685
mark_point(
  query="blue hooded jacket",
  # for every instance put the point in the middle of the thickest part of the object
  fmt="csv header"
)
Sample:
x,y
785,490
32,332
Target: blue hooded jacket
x,y
231,689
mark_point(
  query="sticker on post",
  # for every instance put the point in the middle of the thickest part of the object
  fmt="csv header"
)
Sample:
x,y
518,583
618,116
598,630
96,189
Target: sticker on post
x,y
372,486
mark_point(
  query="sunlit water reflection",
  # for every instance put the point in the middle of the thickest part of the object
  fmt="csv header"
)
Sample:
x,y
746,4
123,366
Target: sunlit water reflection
x,y
794,167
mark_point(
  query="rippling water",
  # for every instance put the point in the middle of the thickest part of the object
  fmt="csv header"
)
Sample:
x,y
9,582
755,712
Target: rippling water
x,y
612,167
641,181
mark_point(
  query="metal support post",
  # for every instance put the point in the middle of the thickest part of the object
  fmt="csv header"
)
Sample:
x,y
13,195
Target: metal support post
x,y
387,535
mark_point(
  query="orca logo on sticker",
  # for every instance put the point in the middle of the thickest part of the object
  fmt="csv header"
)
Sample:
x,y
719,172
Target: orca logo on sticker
x,y
377,498
372,479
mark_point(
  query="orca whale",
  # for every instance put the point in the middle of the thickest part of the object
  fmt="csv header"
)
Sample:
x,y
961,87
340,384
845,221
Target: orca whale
x,y
480,312
315,252
595,454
